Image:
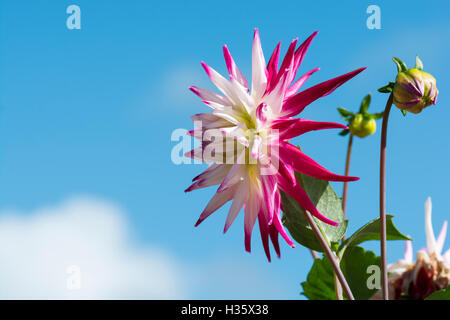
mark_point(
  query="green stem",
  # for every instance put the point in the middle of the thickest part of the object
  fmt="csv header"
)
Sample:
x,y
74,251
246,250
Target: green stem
x,y
337,285
347,171
338,288
385,283
330,255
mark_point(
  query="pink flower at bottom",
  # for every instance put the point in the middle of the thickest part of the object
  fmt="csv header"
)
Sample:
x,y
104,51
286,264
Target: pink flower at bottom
x,y
245,139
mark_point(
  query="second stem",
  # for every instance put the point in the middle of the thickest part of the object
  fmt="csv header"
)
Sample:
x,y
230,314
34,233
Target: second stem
x,y
347,172
385,282
330,255
337,285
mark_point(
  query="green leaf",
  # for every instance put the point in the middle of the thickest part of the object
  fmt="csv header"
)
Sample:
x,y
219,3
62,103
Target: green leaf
x,y
401,66
443,294
363,281
403,112
319,284
371,231
326,201
419,63
295,221
365,104
344,132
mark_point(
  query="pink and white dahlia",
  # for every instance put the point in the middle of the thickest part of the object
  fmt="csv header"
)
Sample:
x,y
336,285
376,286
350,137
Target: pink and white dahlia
x,y
430,272
246,136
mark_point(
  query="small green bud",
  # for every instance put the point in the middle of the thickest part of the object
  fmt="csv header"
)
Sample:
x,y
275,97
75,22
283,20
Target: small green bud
x,y
362,126
414,89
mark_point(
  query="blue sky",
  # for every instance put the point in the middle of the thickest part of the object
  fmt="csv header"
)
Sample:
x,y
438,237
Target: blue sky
x,y
91,111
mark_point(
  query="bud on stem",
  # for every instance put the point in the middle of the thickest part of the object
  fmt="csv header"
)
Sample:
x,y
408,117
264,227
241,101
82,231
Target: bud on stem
x,y
414,89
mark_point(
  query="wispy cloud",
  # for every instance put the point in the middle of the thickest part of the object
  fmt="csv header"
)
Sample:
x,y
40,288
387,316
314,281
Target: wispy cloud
x,y
38,249
43,250
168,92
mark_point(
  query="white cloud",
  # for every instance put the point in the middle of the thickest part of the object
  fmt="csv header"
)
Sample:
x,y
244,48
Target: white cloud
x,y
171,94
37,248
173,89
178,79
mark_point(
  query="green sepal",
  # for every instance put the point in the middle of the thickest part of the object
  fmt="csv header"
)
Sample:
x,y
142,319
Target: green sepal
x,y
345,114
378,115
365,104
401,66
387,88
419,63
344,132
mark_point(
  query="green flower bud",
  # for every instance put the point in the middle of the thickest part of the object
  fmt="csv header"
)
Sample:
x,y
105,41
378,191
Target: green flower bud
x,y
414,89
362,126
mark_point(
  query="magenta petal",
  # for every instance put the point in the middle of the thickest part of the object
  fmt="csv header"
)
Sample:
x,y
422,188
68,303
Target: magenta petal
x,y
233,70
408,104
301,126
287,63
269,188
301,52
275,96
273,232
299,83
304,164
251,210
272,67
297,103
286,170
283,124
264,230
261,112
279,226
